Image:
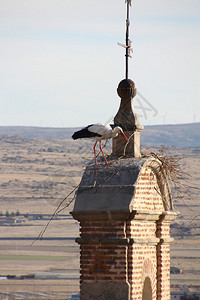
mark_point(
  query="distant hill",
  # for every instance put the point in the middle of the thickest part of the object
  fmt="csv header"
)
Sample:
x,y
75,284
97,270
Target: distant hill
x,y
37,132
180,135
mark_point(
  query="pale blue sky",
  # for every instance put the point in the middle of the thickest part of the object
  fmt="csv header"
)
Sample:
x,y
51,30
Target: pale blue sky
x,y
60,62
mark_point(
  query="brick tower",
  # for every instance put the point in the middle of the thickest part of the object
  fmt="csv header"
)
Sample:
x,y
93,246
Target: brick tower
x,y
125,210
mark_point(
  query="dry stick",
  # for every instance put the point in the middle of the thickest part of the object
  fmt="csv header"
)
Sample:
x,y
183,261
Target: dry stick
x,y
176,176
190,222
124,152
57,211
164,200
53,215
175,170
67,205
195,218
182,193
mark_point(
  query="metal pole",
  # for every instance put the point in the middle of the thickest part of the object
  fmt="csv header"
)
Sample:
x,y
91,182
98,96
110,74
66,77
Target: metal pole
x,y
127,39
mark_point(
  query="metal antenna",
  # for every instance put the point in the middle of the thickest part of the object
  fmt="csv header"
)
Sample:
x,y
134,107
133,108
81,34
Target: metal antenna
x,y
128,42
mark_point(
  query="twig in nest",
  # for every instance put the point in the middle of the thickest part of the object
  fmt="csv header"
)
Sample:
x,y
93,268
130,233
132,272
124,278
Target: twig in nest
x,y
173,170
124,152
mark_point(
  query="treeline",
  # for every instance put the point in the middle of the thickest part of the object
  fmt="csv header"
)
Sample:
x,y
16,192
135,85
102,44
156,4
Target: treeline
x,y
13,214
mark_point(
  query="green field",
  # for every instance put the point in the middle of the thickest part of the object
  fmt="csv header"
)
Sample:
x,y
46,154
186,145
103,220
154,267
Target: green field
x,y
34,257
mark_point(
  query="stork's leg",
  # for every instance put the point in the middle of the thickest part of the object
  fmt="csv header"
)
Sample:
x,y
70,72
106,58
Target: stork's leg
x,y
102,152
95,158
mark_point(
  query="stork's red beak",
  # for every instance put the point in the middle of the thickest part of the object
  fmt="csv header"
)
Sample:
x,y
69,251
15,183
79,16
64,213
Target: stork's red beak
x,y
124,136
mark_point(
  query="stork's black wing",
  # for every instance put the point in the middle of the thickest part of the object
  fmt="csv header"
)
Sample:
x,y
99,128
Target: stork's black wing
x,y
84,133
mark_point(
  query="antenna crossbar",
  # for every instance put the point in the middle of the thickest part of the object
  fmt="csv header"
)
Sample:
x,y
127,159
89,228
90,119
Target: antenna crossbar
x,y
128,41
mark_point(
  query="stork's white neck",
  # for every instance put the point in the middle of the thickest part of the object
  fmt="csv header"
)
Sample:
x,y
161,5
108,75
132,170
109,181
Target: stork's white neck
x,y
116,131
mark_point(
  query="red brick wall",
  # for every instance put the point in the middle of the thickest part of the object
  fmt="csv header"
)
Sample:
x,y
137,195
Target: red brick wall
x,y
147,195
102,229
141,257
103,262
141,229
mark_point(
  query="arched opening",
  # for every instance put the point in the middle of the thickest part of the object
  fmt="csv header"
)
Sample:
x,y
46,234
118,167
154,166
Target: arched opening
x,y
147,290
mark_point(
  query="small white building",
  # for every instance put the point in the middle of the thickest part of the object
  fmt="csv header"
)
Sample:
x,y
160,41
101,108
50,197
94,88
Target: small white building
x,y
19,221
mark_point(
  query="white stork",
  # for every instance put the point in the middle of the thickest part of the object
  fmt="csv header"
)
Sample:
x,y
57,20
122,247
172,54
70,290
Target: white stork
x,y
98,132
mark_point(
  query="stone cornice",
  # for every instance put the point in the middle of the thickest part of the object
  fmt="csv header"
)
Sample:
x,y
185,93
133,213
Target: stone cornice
x,y
168,216
168,240
143,215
